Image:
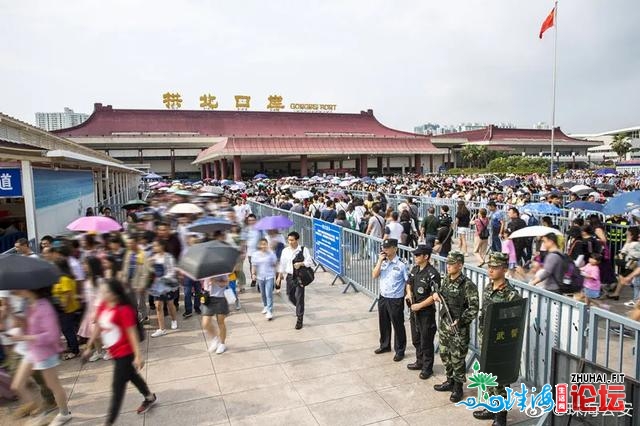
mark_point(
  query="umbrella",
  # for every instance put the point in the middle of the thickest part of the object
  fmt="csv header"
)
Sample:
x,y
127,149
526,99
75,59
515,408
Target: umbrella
x,y
606,187
100,224
580,189
337,194
134,204
234,188
260,176
209,225
208,260
26,273
606,171
241,185
622,203
272,222
534,231
185,208
226,182
303,195
345,183
567,184
152,176
509,182
183,193
381,180
207,195
585,205
285,187
541,208
367,179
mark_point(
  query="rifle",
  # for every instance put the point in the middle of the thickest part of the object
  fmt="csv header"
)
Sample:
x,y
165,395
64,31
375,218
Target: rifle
x,y
447,312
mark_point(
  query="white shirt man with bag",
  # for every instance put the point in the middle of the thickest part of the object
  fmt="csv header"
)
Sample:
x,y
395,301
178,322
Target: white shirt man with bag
x,y
295,290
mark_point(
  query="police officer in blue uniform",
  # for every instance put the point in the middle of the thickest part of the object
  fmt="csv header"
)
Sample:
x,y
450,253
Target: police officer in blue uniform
x,y
423,281
393,274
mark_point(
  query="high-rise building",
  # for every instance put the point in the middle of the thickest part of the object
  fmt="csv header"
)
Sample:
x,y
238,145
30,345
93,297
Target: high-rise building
x,y
435,129
59,120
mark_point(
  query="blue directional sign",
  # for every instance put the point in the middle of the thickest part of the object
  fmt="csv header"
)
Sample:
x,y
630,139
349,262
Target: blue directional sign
x,y
327,245
10,183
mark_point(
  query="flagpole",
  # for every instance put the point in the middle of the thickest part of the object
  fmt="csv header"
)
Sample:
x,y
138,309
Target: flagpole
x,y
553,107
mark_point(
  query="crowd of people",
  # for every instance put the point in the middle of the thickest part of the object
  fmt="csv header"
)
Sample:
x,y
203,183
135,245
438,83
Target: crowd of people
x,y
113,284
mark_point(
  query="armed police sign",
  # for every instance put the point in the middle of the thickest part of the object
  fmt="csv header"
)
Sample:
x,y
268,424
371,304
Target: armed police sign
x,y
502,339
10,184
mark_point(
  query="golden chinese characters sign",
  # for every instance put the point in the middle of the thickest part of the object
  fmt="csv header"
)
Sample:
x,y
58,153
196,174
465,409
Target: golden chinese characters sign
x,y
208,101
275,103
172,100
243,102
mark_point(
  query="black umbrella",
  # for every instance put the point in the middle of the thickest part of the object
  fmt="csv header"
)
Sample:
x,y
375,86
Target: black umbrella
x,y
26,273
209,225
209,259
567,184
134,204
606,187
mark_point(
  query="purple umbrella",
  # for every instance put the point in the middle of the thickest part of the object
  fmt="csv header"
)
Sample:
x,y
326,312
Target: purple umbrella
x,y
273,222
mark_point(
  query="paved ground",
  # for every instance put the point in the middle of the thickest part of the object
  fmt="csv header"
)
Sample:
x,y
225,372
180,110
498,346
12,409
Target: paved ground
x,y
324,374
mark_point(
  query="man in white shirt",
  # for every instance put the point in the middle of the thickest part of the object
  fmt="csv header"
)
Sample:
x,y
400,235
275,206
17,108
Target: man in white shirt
x,y
286,268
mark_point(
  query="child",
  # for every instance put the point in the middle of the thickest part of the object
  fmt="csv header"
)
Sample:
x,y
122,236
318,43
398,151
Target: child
x,y
592,284
510,250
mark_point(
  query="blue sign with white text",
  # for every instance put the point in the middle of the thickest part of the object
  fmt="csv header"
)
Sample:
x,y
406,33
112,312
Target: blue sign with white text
x,y
327,245
10,183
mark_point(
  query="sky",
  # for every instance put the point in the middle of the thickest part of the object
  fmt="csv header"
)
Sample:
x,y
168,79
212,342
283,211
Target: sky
x,y
411,61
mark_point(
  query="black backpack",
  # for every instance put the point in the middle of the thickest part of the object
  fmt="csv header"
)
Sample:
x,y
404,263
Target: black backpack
x,y
305,274
572,279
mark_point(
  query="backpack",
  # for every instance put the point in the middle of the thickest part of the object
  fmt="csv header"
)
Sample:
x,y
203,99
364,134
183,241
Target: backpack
x,y
572,279
532,221
305,274
484,232
352,221
316,212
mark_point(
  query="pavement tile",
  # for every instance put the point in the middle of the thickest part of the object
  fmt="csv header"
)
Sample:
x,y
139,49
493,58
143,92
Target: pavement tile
x,y
414,397
331,387
302,350
231,360
297,416
200,412
261,401
168,371
183,390
353,410
252,378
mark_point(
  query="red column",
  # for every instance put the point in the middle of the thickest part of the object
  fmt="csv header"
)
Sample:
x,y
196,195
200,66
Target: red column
x,y
216,170
237,168
363,165
203,171
209,170
417,160
304,166
431,163
224,169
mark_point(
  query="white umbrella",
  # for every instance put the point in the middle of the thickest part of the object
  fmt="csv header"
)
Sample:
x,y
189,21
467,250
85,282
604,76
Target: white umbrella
x,y
241,185
185,208
534,231
580,188
285,187
345,183
303,195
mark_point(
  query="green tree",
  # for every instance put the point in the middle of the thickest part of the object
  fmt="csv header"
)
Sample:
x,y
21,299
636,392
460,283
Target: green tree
x,y
621,145
475,155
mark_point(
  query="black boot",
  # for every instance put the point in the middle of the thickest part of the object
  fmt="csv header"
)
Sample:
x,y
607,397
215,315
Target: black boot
x,y
501,419
456,395
484,414
299,323
444,386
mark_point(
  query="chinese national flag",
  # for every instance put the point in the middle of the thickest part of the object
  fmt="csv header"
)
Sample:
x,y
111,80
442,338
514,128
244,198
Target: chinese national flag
x,y
548,23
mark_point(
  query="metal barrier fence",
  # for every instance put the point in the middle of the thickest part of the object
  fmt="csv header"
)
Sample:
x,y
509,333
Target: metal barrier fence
x,y
554,321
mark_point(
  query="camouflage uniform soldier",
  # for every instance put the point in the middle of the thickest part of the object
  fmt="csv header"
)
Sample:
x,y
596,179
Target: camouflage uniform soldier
x,y
460,303
498,290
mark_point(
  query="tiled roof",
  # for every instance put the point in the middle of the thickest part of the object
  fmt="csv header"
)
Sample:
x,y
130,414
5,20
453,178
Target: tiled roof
x,y
316,146
498,134
107,121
